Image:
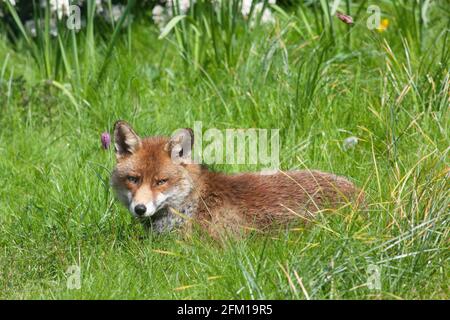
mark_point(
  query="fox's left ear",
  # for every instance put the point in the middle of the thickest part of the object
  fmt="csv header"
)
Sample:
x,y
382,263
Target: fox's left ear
x,y
180,146
126,141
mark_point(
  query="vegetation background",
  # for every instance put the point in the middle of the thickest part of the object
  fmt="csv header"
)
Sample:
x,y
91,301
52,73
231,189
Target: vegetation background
x,y
297,68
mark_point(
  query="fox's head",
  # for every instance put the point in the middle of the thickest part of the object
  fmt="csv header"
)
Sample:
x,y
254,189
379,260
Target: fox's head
x,y
153,173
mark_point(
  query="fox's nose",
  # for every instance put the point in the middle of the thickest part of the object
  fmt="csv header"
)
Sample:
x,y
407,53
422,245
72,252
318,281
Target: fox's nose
x,y
140,209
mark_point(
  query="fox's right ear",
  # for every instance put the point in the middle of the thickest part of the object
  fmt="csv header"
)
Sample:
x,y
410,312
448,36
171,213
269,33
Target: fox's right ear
x,y
126,141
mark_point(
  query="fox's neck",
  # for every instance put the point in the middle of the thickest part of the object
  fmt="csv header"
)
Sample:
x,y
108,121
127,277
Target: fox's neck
x,y
211,190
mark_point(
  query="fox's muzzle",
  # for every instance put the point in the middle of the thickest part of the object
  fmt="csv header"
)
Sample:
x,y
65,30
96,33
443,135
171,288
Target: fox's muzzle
x,y
140,209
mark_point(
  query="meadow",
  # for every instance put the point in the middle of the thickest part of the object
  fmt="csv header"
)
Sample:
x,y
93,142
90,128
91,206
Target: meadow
x,y
316,78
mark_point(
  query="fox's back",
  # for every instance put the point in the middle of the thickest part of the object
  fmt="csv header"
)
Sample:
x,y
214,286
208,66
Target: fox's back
x,y
261,199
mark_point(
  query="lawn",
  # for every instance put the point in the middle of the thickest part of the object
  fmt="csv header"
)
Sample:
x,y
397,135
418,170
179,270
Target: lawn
x,y
312,76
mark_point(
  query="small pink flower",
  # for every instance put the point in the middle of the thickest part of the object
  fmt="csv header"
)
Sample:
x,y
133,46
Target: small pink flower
x,y
344,18
106,140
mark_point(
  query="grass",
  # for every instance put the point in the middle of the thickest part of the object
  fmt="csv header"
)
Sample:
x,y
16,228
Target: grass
x,y
316,81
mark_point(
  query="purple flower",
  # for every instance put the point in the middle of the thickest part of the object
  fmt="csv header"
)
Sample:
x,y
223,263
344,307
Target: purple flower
x,y
106,140
344,18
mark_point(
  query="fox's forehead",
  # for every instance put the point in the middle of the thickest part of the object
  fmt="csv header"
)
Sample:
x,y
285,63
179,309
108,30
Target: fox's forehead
x,y
151,158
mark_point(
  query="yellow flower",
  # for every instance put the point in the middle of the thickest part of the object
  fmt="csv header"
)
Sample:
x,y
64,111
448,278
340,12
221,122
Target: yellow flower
x,y
384,24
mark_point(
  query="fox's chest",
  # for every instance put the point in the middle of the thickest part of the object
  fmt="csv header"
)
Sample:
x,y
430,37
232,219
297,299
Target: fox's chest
x,y
168,219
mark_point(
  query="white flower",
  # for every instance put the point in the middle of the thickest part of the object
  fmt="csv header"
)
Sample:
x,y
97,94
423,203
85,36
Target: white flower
x,y
267,17
350,143
99,6
12,2
30,25
117,11
246,7
158,10
61,7
159,17
267,14
115,14
183,5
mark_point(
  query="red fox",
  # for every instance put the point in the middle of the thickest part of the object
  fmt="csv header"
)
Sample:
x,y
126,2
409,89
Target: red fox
x,y
166,194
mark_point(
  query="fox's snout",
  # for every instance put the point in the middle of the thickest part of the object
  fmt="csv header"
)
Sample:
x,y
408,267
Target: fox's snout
x,y
144,206
140,209
142,202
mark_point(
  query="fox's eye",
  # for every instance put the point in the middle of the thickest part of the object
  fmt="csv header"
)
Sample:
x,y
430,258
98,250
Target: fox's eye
x,y
160,182
133,179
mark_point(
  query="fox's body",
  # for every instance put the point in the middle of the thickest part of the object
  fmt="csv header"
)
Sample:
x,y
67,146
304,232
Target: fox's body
x,y
166,194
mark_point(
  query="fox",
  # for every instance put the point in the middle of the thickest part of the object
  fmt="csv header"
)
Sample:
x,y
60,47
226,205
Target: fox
x,y
155,178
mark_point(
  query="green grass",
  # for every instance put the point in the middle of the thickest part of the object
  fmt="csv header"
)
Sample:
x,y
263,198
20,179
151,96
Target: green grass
x,y
314,81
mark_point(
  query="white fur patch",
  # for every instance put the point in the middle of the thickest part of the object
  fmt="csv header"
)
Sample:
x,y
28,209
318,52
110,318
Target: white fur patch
x,y
151,209
152,206
161,198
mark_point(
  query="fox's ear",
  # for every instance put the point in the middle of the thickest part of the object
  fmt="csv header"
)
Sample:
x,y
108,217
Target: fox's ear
x,y
180,145
126,141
